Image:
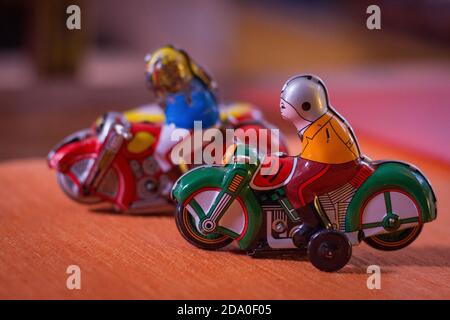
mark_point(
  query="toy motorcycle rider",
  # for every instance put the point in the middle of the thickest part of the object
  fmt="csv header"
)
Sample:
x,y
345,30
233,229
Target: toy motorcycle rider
x,y
329,156
185,91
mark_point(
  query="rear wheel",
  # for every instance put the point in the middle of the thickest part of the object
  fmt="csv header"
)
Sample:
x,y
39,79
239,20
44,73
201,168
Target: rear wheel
x,y
392,207
395,240
187,226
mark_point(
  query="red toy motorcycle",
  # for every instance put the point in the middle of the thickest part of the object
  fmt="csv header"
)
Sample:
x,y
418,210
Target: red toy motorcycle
x,y
113,160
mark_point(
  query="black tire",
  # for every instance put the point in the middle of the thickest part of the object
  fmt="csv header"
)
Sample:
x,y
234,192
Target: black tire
x,y
329,250
395,240
187,228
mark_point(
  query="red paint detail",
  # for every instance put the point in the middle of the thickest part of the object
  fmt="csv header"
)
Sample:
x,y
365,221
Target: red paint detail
x,y
285,167
74,178
126,183
67,154
363,174
309,181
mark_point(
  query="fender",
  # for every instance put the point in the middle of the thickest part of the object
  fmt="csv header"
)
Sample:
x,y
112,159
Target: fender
x,y
67,154
60,158
398,174
199,177
207,176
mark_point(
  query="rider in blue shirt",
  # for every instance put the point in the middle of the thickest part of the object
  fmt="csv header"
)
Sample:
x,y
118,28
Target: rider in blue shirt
x,y
182,110
185,91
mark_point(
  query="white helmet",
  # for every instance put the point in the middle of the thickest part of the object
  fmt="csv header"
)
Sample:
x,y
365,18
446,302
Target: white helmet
x,y
307,95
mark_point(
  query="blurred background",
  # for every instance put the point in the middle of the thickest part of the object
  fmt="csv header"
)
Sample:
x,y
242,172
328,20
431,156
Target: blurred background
x,y
392,85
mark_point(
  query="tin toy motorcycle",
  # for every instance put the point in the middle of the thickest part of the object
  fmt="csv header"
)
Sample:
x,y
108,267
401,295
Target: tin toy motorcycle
x,y
385,204
113,160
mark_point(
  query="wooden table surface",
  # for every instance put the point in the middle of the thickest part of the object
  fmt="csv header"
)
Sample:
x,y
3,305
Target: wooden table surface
x,y
42,232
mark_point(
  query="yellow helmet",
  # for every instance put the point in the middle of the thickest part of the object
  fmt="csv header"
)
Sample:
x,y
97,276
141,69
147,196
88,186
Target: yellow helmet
x,y
169,70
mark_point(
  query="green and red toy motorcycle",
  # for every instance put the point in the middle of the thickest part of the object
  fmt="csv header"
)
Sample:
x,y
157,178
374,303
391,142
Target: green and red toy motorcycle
x,y
385,205
352,198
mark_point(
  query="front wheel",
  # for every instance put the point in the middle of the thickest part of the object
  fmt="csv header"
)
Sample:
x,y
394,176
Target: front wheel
x,y
395,240
187,226
70,181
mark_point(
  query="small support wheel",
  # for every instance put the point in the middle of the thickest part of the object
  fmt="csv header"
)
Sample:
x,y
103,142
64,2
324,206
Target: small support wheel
x,y
329,250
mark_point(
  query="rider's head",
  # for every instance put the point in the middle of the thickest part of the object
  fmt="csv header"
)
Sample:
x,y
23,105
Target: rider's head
x,y
168,70
304,99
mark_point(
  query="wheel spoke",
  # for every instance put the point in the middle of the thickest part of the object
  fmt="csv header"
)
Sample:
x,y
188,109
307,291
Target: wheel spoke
x,y
387,200
197,208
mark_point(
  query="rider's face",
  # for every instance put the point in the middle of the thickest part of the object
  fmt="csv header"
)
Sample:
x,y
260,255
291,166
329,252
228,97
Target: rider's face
x,y
288,112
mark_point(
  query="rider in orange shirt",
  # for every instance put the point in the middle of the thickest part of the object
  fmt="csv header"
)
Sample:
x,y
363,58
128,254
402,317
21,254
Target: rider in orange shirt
x,y
330,154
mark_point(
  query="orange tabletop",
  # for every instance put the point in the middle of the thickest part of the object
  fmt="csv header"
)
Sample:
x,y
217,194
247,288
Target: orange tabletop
x,y
42,232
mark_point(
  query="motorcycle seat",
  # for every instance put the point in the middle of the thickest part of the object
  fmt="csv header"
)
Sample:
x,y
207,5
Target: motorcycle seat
x,y
275,175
